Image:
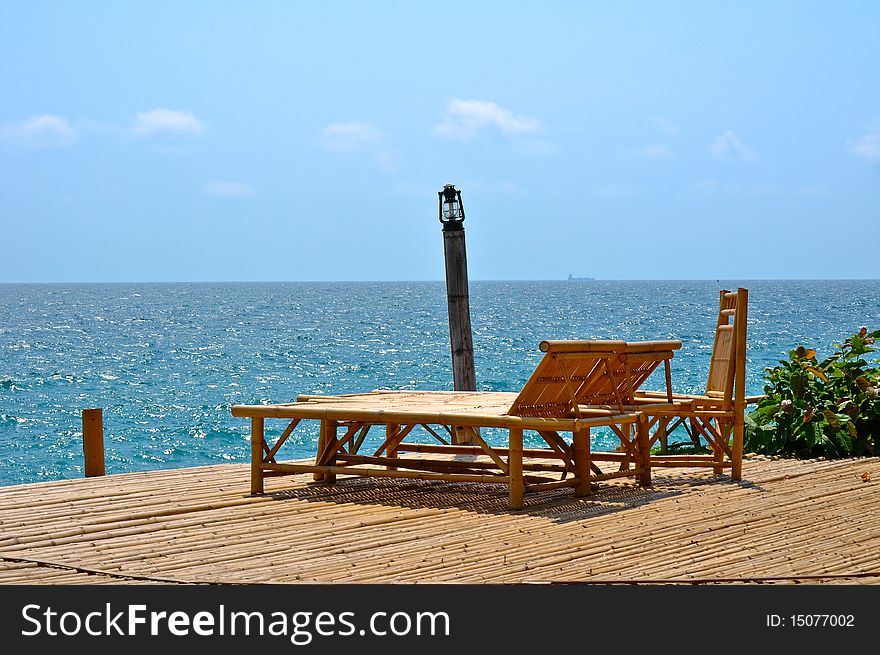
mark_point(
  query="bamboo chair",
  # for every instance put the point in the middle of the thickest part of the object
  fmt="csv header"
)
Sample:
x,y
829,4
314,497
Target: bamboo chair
x,y
719,414
577,385
579,377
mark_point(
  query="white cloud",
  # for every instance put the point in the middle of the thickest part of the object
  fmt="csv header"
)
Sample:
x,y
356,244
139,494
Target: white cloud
x,y
43,131
867,146
228,189
464,118
727,146
167,122
350,135
669,128
656,151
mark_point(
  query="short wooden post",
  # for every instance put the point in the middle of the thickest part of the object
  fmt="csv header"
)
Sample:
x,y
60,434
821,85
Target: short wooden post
x,y
643,447
515,466
257,438
461,343
93,441
581,443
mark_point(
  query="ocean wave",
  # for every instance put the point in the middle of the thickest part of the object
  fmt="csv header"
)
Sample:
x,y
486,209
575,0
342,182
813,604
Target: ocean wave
x,y
11,384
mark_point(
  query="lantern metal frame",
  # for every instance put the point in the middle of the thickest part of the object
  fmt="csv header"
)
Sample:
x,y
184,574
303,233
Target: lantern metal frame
x,y
453,217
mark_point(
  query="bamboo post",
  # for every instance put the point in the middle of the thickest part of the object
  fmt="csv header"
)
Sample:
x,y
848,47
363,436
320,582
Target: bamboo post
x,y
257,455
460,335
515,466
644,450
662,435
581,442
317,477
328,430
391,432
718,448
93,442
739,404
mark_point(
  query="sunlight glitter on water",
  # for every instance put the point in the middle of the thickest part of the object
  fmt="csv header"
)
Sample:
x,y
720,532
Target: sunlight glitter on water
x,y
167,361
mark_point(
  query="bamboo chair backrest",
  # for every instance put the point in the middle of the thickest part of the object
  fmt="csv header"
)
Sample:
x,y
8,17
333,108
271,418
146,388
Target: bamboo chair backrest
x,y
574,373
727,365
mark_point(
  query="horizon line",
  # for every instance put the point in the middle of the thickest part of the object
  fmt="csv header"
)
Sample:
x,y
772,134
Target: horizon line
x,y
441,280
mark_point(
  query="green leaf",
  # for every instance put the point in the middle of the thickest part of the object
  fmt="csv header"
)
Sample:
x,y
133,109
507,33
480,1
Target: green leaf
x,y
812,432
858,346
828,361
845,440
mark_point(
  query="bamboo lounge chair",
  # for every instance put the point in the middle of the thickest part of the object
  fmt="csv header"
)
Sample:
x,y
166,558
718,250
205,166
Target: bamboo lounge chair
x,y
717,417
577,385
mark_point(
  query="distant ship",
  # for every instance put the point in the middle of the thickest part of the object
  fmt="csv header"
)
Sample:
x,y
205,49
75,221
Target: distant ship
x,y
572,278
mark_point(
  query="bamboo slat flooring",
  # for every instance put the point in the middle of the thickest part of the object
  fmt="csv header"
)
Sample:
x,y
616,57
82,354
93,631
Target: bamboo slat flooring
x,y
786,522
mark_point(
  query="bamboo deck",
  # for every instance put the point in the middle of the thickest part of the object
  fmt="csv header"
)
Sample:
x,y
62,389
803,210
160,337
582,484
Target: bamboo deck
x,y
787,521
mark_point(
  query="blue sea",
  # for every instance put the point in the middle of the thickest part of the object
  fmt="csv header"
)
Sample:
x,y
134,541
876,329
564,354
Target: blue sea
x,y
167,361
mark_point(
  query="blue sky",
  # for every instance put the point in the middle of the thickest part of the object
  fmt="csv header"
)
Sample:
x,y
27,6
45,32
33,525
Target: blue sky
x,y
188,141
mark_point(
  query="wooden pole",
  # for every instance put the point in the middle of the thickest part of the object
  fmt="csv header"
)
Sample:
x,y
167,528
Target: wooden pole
x,y
93,441
257,438
461,343
460,337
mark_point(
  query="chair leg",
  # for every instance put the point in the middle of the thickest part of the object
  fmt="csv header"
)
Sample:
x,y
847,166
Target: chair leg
x,y
322,434
391,430
737,448
663,435
515,466
644,451
581,443
328,428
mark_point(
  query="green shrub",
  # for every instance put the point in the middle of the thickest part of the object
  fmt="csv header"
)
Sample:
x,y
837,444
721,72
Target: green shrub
x,y
820,409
